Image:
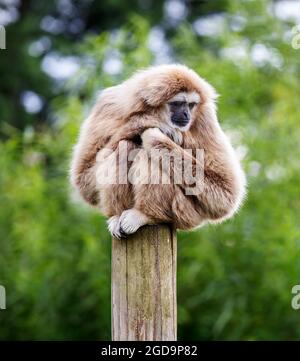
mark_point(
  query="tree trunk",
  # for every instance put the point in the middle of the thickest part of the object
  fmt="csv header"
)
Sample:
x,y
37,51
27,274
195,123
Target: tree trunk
x,y
144,285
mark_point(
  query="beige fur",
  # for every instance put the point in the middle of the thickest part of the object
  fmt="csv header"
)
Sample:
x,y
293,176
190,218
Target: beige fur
x,y
133,109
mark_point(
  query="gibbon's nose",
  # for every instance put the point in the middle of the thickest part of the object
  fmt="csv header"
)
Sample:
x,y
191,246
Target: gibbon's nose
x,y
185,115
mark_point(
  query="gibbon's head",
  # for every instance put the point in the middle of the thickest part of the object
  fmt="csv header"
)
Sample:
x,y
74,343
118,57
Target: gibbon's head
x,y
179,92
181,97
180,110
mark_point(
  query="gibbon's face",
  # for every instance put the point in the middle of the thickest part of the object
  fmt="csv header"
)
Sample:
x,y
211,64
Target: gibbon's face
x,y
181,108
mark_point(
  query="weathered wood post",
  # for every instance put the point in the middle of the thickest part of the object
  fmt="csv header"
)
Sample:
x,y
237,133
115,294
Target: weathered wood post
x,y
144,285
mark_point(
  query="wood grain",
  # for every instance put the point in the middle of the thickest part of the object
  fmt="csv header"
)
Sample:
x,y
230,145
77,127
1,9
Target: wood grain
x,y
144,285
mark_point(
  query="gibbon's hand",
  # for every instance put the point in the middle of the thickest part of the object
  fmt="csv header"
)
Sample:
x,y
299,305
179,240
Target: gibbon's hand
x,y
173,134
151,136
131,130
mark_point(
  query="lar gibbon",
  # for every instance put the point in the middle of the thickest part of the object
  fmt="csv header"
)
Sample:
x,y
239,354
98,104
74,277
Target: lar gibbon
x,y
168,108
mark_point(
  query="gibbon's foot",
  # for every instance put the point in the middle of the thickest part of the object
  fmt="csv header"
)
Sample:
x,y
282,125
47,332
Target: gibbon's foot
x,y
112,224
130,221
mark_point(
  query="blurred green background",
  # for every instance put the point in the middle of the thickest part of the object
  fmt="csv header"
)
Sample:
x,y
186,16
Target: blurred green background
x,y
235,279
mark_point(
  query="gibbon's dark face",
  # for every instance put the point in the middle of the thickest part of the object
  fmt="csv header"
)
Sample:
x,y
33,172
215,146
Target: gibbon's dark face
x,y
181,107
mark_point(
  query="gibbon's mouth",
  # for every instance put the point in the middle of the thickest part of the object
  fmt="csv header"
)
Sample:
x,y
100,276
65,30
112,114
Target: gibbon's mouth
x,y
181,123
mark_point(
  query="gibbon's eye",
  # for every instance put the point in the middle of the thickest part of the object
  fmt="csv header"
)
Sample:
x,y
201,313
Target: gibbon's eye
x,y
176,104
192,105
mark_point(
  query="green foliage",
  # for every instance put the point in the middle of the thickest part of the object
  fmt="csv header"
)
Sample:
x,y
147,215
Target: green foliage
x,y
234,279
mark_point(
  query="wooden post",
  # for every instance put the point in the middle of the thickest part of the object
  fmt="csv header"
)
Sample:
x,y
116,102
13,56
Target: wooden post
x,y
144,285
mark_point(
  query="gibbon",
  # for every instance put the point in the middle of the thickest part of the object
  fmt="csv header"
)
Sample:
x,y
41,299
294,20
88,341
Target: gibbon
x,y
167,108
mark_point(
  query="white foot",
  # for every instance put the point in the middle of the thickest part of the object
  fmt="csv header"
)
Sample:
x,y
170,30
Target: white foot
x,y
112,224
130,221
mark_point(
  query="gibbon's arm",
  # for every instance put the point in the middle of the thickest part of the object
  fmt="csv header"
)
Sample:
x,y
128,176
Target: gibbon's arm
x,y
83,165
223,185
133,128
95,134
92,139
